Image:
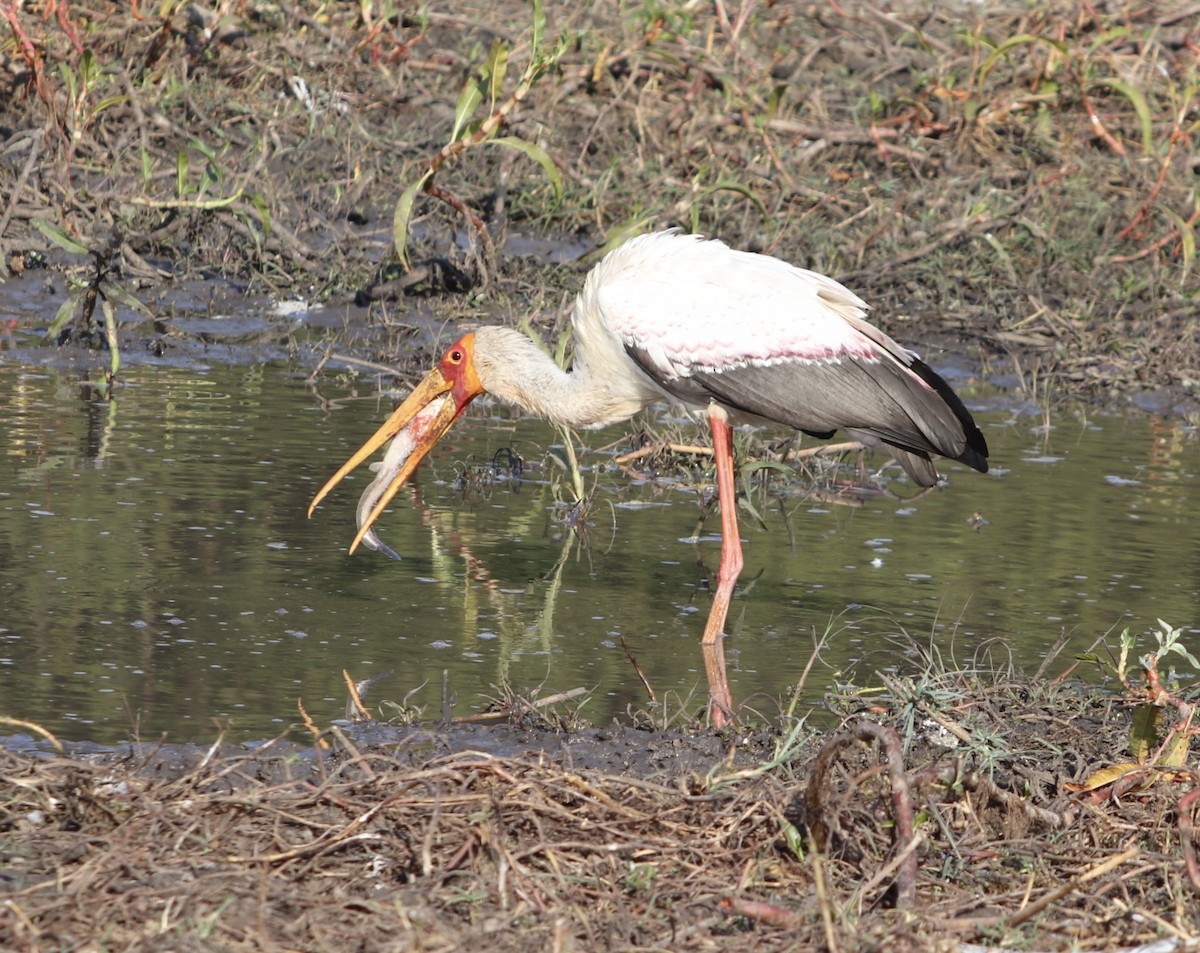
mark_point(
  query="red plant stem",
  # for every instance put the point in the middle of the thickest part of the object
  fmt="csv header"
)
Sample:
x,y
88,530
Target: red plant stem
x,y
1144,212
32,58
63,9
1187,835
1150,250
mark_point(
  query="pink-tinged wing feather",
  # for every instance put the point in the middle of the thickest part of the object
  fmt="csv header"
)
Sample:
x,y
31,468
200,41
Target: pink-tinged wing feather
x,y
690,305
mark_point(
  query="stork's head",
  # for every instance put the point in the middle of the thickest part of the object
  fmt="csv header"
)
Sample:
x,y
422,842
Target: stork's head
x,y
451,386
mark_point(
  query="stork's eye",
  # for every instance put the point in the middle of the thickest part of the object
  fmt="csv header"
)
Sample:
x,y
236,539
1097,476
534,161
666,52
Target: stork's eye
x,y
455,356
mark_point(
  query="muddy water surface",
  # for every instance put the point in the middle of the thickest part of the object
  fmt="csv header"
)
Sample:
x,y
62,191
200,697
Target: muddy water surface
x,y
158,574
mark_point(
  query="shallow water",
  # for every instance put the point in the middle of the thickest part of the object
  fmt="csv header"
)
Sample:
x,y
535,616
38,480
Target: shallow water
x,y
158,574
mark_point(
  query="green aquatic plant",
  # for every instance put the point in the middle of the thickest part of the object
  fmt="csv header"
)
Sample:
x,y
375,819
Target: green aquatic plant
x,y
75,317
1157,751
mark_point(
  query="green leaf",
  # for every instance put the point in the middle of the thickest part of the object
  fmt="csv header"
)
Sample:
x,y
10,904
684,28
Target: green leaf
x,y
109,290
1138,100
744,503
1176,751
730,185
264,212
60,238
71,80
749,468
1187,242
203,148
403,216
1020,39
106,103
1113,33
560,350
539,29
181,173
494,71
89,69
558,455
1002,256
468,101
793,840
539,155
1143,732
214,203
65,310
774,102
1176,647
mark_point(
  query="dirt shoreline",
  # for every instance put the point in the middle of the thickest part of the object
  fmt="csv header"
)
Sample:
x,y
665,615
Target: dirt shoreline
x,y
530,835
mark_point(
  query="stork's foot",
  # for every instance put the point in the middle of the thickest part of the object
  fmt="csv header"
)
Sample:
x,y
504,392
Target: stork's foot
x,y
719,713
720,705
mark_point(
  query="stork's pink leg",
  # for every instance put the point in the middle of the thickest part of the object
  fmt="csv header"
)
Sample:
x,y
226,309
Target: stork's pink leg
x,y
727,572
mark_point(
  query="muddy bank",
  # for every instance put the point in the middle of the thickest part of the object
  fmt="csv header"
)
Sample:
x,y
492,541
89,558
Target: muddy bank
x,y
983,822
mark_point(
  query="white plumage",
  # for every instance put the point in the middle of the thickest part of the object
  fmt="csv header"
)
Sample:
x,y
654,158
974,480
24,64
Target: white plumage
x,y
692,304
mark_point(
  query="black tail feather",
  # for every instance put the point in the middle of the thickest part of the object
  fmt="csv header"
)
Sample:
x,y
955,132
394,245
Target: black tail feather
x,y
976,454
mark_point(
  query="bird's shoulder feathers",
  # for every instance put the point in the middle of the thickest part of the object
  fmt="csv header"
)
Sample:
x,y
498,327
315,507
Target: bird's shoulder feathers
x,y
690,305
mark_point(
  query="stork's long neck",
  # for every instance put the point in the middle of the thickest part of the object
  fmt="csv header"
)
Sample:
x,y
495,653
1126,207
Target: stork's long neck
x,y
603,385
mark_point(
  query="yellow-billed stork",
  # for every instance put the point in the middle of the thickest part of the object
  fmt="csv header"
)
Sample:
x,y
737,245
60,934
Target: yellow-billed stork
x,y
737,336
